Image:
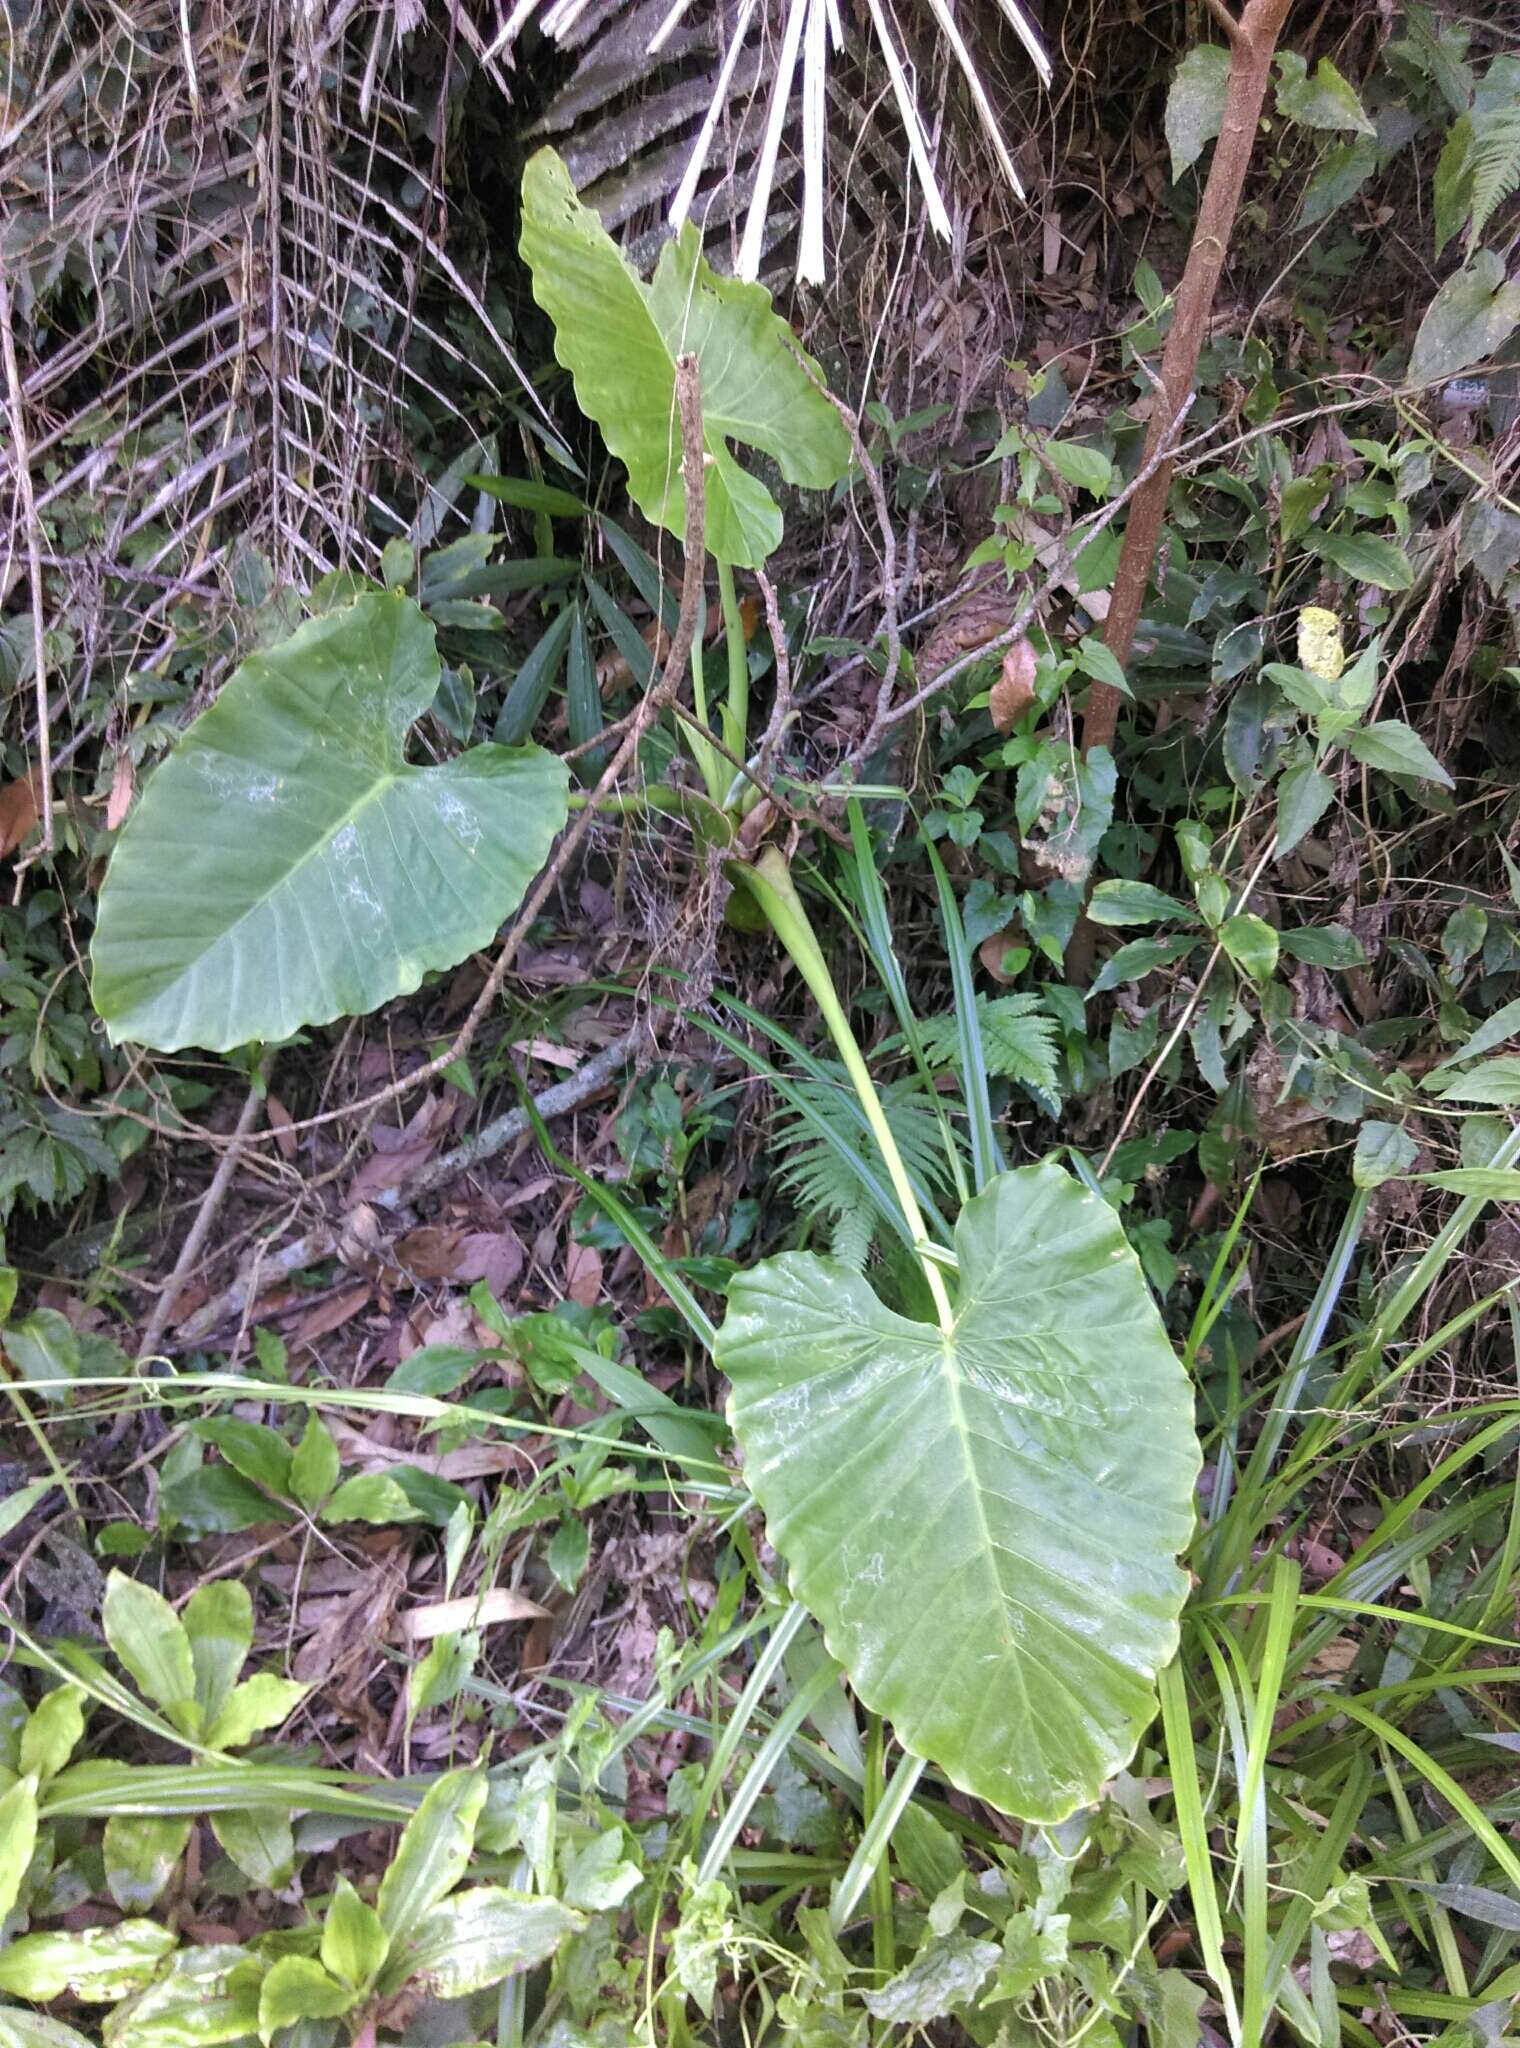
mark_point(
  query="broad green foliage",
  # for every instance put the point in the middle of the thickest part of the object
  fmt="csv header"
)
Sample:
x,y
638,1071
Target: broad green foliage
x,y
287,865
619,338
984,1521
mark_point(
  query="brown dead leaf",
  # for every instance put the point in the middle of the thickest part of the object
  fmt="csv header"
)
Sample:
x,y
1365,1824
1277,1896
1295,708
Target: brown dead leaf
x,y
442,1617
20,802
123,786
280,1121
495,1256
1013,692
331,1314
346,1626
986,609
583,1274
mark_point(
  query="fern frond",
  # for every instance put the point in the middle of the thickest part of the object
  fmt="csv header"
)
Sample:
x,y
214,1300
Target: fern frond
x,y
818,1175
1019,1041
1493,162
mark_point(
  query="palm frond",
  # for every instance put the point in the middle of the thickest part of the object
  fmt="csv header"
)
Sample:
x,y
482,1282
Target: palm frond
x,y
791,46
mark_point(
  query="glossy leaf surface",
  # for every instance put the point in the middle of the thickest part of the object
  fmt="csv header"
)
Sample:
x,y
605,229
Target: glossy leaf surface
x,y
619,339
985,1522
288,865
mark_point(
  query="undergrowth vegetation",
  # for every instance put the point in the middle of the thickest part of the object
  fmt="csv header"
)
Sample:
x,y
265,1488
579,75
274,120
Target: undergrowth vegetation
x,y
757,1095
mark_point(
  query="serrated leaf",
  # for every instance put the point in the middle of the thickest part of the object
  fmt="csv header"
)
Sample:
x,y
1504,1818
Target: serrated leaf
x,y
263,1701
1018,1040
1302,797
1496,1082
1122,902
18,1838
287,865
297,1988
1383,1152
619,339
434,1851
354,1942
140,1852
984,1521
149,1639
1398,750
1365,556
1469,319
478,1938
219,1623
1323,100
1195,104
945,1975
97,1966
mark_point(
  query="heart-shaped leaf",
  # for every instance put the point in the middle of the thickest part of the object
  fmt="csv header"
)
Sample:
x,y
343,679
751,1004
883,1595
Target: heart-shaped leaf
x,y
619,339
984,1521
287,865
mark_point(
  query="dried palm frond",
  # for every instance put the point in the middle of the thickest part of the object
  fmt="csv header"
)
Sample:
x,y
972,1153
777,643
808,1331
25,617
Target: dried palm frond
x,y
786,43
219,227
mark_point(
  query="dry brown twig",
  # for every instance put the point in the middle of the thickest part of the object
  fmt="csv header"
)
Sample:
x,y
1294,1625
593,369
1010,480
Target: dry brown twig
x,y
21,460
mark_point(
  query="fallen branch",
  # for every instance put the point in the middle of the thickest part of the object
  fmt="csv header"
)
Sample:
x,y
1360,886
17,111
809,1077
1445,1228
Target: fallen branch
x,y
587,1080
200,1229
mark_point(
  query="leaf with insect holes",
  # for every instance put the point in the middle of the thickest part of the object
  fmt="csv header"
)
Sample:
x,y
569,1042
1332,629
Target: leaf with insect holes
x,y
984,1520
619,338
288,865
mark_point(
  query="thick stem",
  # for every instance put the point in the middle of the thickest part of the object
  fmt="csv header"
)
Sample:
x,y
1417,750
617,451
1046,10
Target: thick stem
x,y
771,883
1252,42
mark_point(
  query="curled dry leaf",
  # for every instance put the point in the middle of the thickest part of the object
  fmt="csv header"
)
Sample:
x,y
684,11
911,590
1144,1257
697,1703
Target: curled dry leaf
x,y
1013,692
19,804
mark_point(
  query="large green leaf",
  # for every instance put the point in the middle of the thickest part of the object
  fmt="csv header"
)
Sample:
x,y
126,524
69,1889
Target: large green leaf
x,y
287,865
985,1522
619,339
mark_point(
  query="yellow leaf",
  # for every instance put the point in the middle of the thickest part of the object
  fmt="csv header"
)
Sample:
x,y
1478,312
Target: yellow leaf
x,y
1320,647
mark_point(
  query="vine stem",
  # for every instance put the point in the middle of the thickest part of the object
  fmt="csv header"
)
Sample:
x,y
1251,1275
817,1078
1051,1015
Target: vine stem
x,y
770,881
